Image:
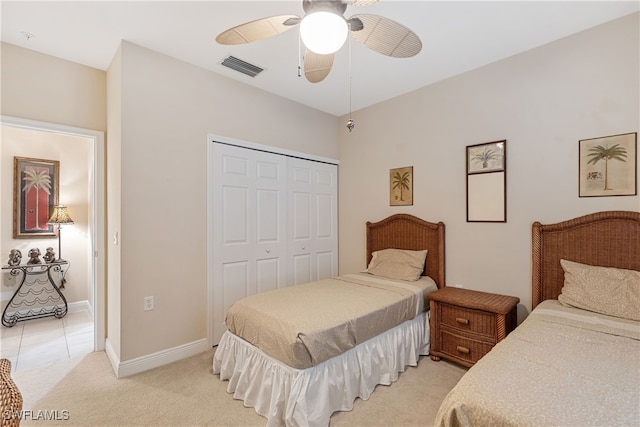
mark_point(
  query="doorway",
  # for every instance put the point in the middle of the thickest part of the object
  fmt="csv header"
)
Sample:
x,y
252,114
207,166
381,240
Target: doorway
x,y
89,280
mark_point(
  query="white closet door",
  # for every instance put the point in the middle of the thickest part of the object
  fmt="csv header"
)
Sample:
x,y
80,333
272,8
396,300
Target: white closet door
x,y
312,221
249,208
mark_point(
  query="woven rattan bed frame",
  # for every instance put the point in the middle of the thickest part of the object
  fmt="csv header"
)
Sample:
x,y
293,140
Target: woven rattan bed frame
x,y
608,239
10,397
404,231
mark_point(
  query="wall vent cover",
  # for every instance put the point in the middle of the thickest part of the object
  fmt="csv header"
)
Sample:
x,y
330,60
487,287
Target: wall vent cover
x,y
242,66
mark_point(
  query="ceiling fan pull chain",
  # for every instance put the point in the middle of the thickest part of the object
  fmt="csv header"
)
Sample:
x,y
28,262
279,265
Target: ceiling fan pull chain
x,y
299,55
350,123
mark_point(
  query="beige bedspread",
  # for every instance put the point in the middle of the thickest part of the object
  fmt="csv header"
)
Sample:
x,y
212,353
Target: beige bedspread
x,y
307,324
561,367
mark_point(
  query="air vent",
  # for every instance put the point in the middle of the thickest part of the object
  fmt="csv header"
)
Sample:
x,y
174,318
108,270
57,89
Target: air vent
x,y
242,66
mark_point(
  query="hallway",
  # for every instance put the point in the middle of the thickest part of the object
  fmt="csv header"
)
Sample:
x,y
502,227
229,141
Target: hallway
x,y
34,343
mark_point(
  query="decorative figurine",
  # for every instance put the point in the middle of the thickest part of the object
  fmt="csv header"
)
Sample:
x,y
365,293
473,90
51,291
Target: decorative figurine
x,y
34,256
15,257
49,256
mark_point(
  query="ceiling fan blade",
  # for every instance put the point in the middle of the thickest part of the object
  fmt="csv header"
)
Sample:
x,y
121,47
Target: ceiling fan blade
x,y
386,36
258,29
317,66
364,2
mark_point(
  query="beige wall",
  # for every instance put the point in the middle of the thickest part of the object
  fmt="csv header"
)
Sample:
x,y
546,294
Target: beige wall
x,y
73,154
542,102
41,87
166,109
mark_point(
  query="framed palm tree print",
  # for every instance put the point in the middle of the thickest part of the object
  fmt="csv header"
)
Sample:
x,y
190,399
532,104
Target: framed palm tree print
x,y
401,186
35,193
607,166
487,182
487,157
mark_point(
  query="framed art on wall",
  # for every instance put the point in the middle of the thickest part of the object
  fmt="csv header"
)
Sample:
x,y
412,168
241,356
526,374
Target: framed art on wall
x,y
35,193
607,166
488,157
401,186
487,182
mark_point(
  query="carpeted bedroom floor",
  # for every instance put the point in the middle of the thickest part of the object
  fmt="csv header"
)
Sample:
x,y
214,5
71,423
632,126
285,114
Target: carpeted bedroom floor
x,y
84,392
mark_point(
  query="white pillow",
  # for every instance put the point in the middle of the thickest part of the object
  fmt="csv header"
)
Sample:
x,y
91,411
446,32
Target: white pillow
x,y
606,290
399,264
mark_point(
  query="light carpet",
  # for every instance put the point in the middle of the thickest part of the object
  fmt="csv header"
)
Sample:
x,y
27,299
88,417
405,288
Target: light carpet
x,y
85,392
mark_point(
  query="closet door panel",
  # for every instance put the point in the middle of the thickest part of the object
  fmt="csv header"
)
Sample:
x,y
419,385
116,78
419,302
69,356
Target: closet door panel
x,y
325,264
301,217
268,274
313,218
234,280
326,256
270,209
302,269
324,206
249,227
326,235
235,243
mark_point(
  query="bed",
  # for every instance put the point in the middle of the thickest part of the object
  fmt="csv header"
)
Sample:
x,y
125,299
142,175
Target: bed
x,y
575,360
295,356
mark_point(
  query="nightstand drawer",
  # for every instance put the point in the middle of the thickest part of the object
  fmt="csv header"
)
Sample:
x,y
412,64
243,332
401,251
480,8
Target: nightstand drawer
x,y
470,320
464,349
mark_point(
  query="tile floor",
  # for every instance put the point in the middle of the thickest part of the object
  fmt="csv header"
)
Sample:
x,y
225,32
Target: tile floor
x,y
33,343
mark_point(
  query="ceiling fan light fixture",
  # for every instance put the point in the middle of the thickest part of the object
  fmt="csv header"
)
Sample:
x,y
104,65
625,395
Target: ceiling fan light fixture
x,y
323,32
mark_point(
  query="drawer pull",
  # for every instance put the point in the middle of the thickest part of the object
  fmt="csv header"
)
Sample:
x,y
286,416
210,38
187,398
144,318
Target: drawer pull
x,y
462,321
462,349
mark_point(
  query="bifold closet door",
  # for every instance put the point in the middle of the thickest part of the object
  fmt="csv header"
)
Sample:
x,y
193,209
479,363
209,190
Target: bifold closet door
x,y
312,197
249,214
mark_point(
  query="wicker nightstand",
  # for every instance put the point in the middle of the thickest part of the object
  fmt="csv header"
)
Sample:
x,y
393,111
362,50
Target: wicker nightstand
x,y
466,324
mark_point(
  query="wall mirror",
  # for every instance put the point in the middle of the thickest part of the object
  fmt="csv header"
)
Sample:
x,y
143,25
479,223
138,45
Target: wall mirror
x,y
487,182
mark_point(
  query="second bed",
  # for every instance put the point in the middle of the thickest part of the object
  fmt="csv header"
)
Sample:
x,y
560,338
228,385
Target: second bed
x,y
299,354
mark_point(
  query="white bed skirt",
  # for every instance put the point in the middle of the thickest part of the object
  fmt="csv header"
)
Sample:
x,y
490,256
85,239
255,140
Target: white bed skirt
x,y
308,397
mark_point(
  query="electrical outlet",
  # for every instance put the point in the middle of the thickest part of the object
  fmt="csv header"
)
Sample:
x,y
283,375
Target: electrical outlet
x,y
458,286
148,303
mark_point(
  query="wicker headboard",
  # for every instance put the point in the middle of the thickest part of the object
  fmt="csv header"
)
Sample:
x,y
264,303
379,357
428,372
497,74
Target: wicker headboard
x,y
404,231
607,239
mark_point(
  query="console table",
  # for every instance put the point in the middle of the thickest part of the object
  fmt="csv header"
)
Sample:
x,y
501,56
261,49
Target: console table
x,y
38,294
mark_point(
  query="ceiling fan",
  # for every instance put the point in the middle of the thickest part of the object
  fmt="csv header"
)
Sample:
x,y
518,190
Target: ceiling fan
x,y
375,32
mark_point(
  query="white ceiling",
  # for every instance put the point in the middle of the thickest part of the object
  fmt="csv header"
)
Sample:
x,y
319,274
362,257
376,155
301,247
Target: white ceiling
x,y
457,36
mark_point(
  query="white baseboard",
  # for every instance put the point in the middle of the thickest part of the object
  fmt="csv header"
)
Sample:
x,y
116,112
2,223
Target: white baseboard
x,y
74,307
150,361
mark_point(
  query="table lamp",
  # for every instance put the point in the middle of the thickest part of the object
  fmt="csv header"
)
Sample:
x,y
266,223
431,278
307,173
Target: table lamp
x,y
60,216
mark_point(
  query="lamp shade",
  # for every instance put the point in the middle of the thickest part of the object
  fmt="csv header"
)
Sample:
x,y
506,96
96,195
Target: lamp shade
x,y
323,32
60,215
